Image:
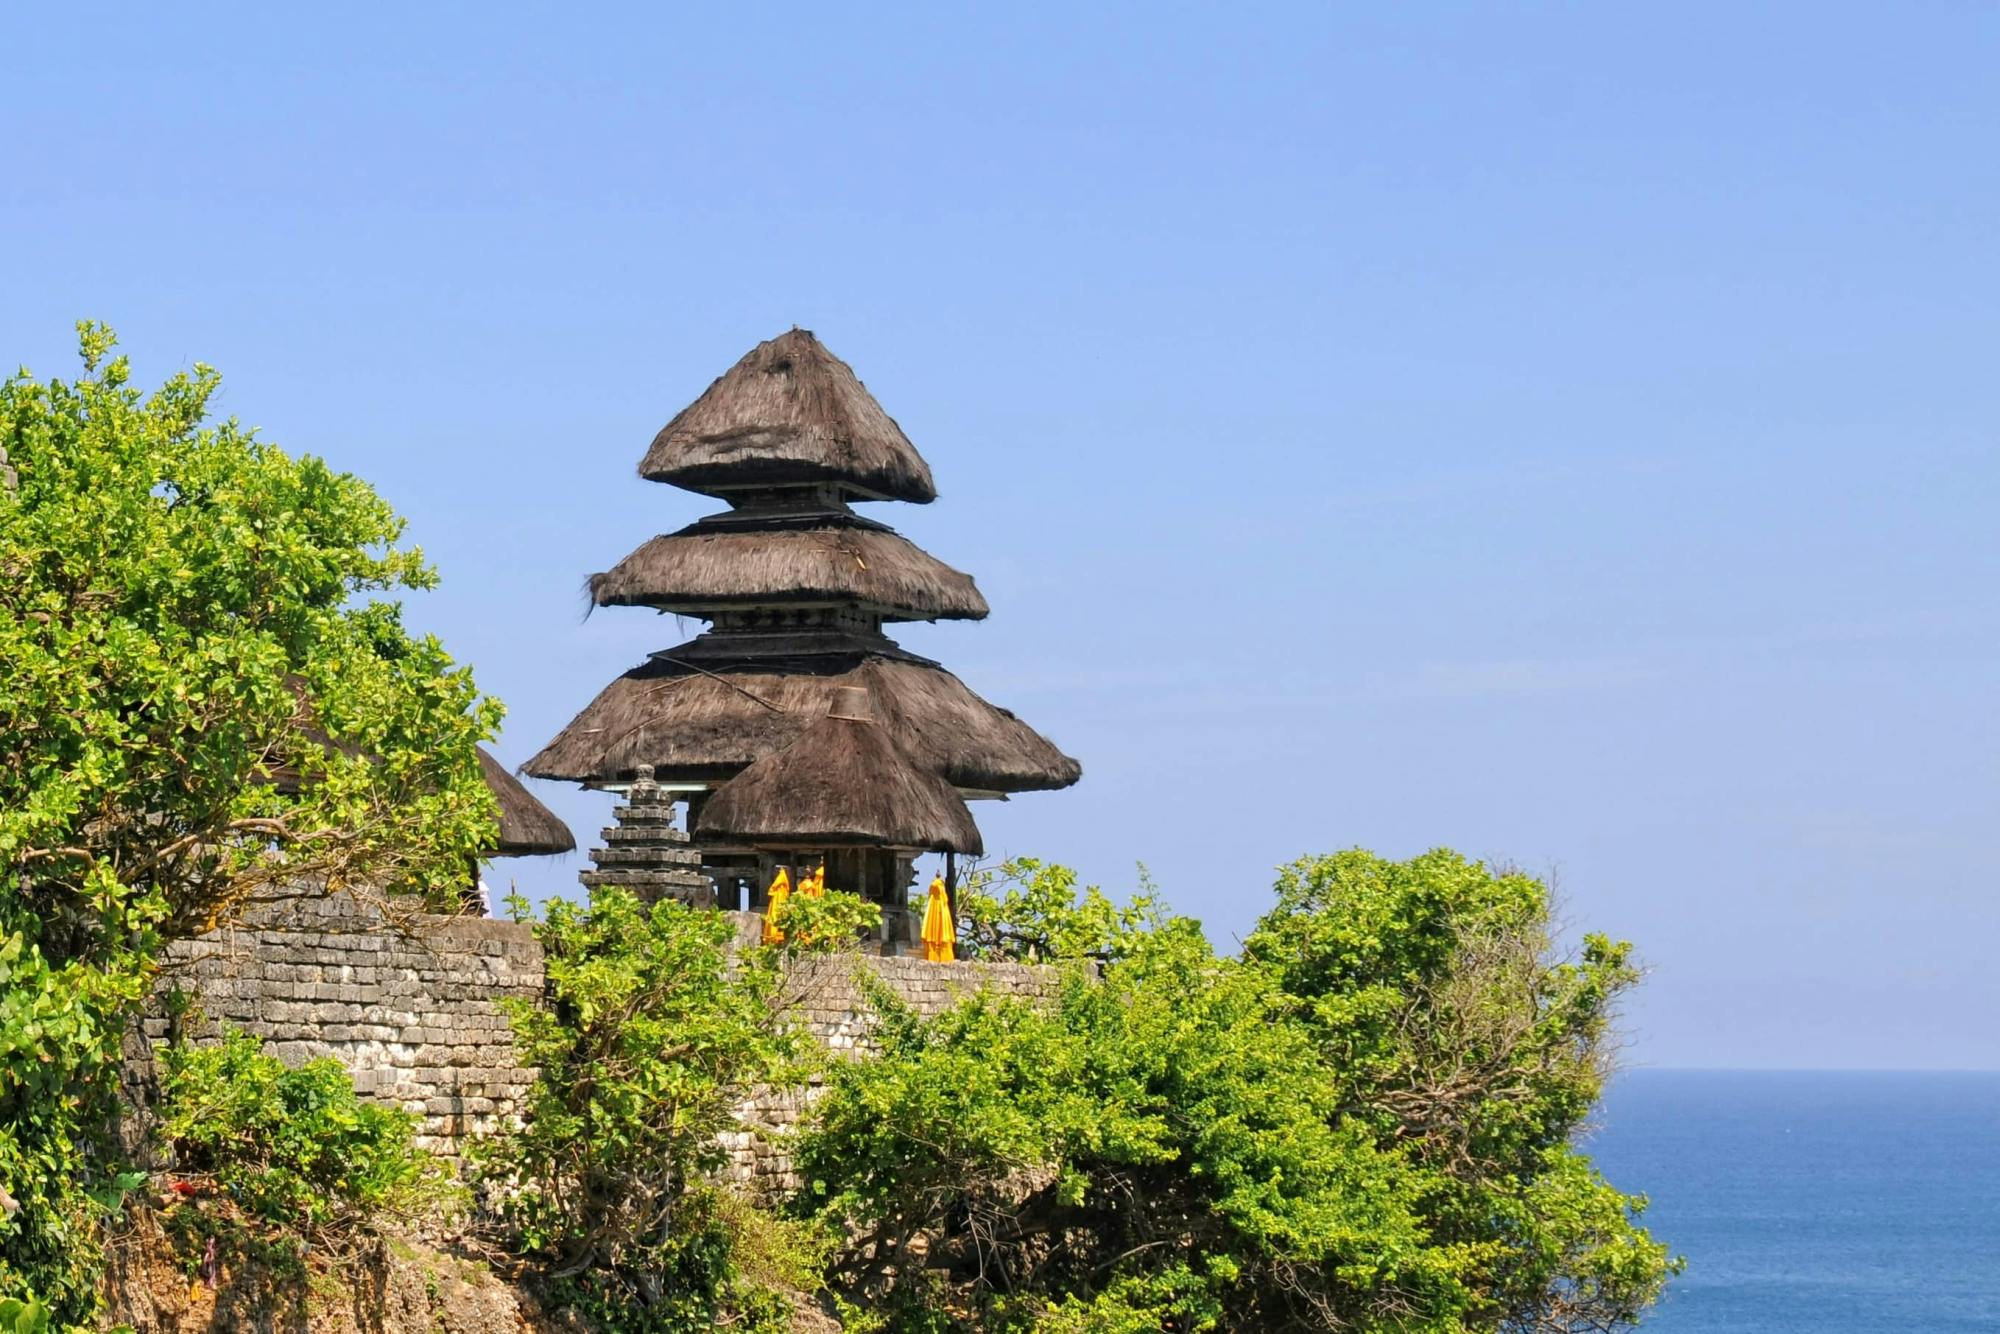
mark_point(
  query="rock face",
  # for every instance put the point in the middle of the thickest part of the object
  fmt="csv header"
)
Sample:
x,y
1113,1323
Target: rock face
x,y
398,1286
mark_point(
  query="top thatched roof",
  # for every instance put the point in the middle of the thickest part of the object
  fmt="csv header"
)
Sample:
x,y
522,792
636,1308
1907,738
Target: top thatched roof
x,y
789,412
527,828
693,724
843,782
697,570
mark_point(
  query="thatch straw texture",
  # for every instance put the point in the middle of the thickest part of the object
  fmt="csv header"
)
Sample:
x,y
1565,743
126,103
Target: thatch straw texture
x,y
692,726
789,412
527,828
694,570
842,782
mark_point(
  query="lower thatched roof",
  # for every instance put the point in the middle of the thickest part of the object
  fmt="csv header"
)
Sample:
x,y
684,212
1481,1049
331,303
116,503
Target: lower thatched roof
x,y
692,725
695,571
527,828
842,782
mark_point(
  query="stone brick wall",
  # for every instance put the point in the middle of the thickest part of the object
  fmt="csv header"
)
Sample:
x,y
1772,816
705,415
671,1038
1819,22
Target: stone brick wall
x,y
412,1009
414,1014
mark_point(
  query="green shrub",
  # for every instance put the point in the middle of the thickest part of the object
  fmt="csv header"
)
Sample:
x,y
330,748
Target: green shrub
x,y
1028,910
24,1315
1364,1124
297,1148
650,1035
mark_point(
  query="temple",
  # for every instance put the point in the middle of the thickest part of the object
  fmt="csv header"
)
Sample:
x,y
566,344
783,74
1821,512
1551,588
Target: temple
x,y
795,729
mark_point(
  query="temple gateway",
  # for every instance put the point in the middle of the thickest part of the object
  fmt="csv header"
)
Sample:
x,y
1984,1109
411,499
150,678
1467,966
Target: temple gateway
x,y
795,730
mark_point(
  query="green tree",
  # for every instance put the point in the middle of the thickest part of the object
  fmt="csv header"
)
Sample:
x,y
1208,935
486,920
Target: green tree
x,y
653,1032
1362,1124
1026,909
208,702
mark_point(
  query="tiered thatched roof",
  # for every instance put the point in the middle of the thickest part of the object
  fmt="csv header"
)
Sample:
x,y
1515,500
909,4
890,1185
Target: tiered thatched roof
x,y
694,726
842,782
789,412
702,569
527,828
798,587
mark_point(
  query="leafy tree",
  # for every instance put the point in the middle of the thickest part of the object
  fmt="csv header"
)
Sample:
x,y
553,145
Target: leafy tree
x,y
652,1033
1363,1124
1434,992
1026,909
207,703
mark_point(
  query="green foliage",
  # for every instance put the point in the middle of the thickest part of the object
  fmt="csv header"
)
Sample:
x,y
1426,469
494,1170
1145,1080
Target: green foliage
x,y
824,923
1026,909
650,1036
1433,991
293,1147
23,1316
59,1033
1363,1124
206,703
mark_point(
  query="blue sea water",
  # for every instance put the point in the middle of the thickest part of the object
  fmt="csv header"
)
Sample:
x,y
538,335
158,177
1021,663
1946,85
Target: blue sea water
x,y
1835,1203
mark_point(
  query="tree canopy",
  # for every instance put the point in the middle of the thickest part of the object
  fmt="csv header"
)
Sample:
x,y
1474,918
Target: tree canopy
x,y
1363,1123
210,701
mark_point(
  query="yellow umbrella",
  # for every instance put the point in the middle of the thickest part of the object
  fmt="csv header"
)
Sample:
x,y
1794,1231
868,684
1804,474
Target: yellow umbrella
x,y
940,933
814,885
781,889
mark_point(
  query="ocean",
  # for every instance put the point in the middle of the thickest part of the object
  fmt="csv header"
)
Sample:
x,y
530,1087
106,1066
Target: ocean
x,y
1835,1203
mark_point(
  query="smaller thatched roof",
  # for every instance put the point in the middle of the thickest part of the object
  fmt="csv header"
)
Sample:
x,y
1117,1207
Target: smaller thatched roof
x,y
789,412
527,828
695,570
844,782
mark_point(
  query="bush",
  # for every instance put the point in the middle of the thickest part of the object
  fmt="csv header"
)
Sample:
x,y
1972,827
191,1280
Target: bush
x,y
1026,909
650,1035
296,1148
1363,1125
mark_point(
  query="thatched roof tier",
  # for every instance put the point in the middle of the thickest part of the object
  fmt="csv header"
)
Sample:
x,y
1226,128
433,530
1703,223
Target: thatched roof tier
x,y
789,413
695,571
527,828
694,725
842,782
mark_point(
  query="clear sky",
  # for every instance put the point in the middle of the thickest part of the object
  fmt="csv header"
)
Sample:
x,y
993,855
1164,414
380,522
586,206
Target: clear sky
x,y
1562,434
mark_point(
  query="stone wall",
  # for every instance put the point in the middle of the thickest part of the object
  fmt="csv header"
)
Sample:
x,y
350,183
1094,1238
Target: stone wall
x,y
412,1009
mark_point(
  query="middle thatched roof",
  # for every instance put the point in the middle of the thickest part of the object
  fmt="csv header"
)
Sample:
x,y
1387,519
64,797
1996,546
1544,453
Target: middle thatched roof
x,y
789,413
844,781
698,725
695,571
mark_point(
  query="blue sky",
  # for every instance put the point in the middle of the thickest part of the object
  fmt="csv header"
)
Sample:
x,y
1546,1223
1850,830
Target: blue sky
x,y
1562,434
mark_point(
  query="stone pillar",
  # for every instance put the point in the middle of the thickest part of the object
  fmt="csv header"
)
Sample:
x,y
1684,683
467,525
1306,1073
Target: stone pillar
x,y
645,853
